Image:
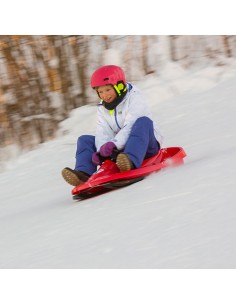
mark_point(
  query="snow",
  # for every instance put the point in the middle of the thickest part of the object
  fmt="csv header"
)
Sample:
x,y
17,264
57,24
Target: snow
x,y
179,218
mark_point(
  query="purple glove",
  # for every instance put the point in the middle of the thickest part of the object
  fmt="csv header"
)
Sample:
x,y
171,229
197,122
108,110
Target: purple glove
x,y
95,159
106,149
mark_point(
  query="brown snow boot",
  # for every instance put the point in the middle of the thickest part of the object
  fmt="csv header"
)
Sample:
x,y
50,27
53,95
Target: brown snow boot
x,y
74,177
124,163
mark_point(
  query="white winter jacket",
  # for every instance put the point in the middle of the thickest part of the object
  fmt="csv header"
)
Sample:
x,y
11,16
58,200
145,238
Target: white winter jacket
x,y
115,125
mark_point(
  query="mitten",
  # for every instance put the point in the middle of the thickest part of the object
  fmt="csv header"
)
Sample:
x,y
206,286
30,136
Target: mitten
x,y
96,159
106,149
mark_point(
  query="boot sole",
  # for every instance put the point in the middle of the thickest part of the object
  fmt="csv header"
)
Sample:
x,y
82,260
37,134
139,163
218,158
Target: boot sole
x,y
123,163
70,177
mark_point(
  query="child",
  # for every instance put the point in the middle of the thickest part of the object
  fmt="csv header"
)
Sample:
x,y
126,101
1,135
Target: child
x,y
125,130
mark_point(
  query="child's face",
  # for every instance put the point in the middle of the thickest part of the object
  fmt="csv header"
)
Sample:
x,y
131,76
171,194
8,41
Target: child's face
x,y
107,93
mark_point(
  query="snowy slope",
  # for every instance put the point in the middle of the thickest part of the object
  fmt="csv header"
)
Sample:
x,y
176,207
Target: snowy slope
x,y
178,218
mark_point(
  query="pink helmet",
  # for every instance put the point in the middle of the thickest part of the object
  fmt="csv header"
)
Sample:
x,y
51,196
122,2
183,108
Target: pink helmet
x,y
108,75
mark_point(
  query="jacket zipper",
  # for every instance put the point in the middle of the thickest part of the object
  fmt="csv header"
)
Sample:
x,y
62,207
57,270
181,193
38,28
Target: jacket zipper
x,y
115,115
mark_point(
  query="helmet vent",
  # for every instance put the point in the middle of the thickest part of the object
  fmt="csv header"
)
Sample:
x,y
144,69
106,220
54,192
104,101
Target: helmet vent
x,y
107,78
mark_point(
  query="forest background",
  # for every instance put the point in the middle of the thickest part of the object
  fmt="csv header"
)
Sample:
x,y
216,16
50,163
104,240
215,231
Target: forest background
x,y
44,77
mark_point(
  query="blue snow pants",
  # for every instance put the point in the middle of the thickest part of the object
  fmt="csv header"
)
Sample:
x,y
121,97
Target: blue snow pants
x,y
140,145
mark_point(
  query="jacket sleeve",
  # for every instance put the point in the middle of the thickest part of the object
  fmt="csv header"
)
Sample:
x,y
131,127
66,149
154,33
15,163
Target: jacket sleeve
x,y
104,133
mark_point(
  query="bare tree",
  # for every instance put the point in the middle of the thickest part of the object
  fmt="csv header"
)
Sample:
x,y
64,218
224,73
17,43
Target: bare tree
x,y
173,48
228,50
80,47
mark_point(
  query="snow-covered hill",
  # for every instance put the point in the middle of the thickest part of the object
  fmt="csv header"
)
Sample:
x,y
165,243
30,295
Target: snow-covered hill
x,y
178,218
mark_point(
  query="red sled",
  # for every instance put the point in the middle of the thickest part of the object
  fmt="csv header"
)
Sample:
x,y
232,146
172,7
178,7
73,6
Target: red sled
x,y
109,177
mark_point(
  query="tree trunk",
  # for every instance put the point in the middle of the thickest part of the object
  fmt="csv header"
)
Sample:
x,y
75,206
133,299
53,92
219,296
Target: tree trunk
x,y
227,48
